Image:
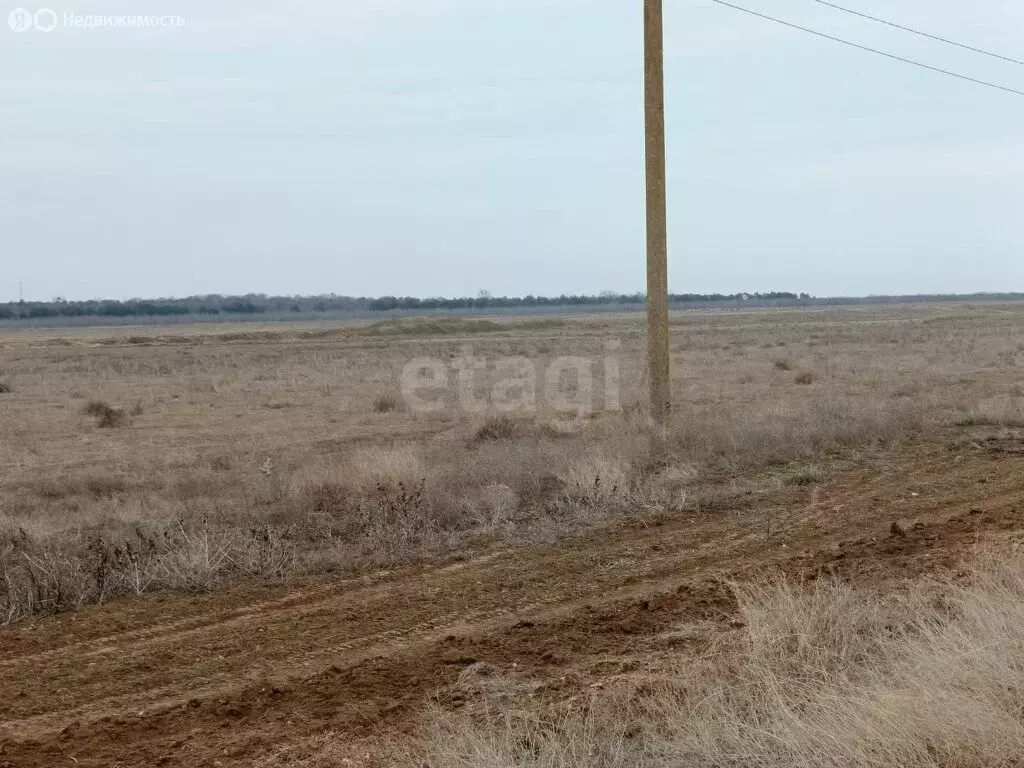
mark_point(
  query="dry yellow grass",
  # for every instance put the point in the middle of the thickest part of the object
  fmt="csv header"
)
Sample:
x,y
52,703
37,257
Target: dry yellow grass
x,y
821,675
264,452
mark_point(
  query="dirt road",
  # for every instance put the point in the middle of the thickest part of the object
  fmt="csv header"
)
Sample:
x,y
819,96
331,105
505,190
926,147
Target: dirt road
x,y
238,677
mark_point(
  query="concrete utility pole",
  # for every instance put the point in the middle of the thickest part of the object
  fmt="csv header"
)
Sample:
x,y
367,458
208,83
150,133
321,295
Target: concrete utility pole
x,y
657,211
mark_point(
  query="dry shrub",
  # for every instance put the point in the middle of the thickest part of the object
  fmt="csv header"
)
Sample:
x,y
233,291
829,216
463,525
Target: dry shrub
x,y
385,402
112,418
95,408
497,428
95,485
221,463
498,504
671,486
782,431
41,575
107,416
374,509
995,412
805,377
5,389
822,675
783,365
340,484
398,465
800,476
598,479
461,482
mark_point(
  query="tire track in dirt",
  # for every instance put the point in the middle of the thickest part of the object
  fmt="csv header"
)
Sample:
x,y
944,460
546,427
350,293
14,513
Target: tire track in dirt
x,y
317,598
157,700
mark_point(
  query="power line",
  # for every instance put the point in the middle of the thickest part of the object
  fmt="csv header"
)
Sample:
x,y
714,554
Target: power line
x,y
922,34
870,50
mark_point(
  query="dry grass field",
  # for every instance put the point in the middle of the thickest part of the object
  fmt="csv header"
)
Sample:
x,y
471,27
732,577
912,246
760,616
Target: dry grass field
x,y
247,546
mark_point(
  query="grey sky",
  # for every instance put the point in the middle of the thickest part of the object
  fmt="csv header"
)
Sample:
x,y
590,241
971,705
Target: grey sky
x,y
440,147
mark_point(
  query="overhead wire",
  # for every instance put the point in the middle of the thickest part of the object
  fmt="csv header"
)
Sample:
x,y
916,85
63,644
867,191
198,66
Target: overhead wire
x,y
869,49
930,36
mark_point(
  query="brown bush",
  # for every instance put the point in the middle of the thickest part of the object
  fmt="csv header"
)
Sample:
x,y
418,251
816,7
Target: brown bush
x,y
95,408
115,417
497,428
385,402
107,416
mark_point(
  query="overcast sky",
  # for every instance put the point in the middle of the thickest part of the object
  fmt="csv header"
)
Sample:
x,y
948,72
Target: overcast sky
x,y
441,147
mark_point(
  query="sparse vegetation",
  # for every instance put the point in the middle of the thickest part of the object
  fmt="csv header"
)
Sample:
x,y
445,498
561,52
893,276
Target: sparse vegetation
x,y
805,378
782,364
497,428
1001,411
807,475
107,416
442,326
325,486
95,408
386,402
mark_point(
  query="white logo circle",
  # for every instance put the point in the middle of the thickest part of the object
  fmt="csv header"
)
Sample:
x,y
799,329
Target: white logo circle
x,y
45,20
19,20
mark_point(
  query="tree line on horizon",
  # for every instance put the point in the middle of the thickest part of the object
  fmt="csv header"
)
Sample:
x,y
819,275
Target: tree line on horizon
x,y
258,303
252,304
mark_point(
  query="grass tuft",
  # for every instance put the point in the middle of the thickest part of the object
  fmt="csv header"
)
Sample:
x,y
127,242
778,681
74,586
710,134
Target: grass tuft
x,y
385,402
497,428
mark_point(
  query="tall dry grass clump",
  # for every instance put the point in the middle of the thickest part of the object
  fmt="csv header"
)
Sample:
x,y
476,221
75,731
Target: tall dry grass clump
x,y
386,402
821,675
41,575
1003,411
497,428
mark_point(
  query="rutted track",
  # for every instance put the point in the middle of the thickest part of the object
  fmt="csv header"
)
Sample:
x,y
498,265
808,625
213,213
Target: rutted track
x,y
231,676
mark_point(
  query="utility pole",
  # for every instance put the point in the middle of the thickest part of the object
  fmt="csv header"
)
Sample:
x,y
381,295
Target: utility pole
x,y
657,211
